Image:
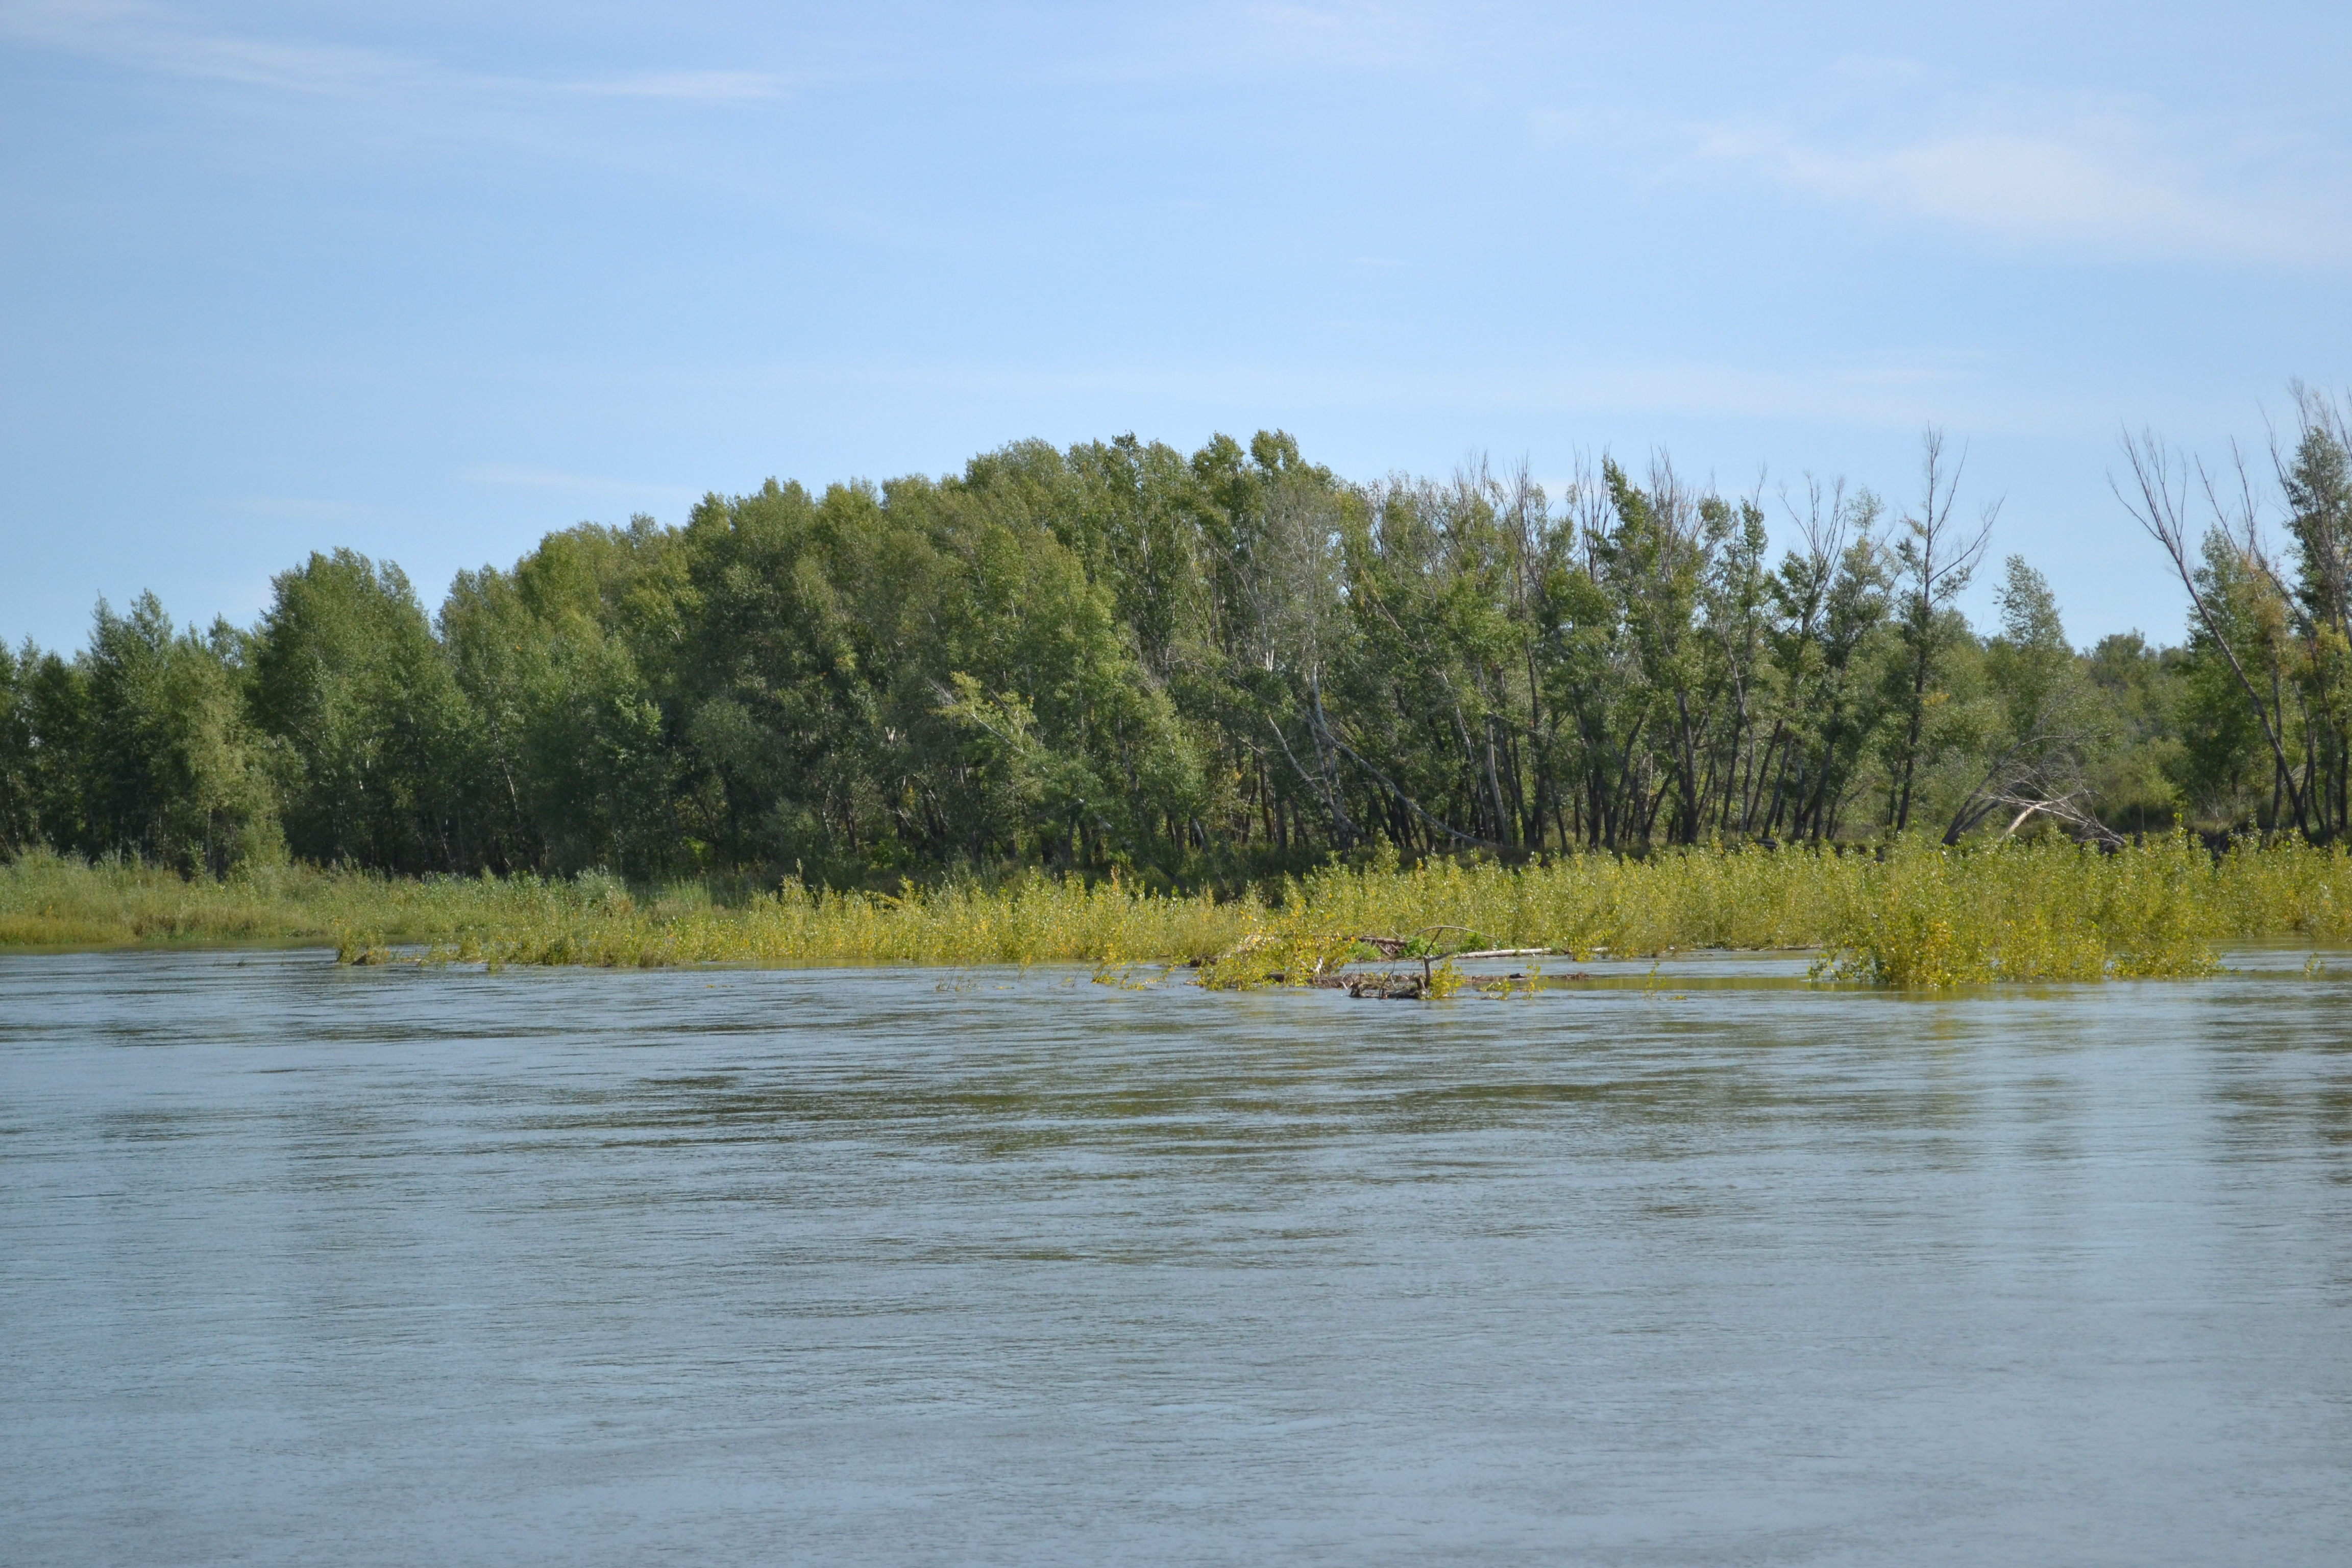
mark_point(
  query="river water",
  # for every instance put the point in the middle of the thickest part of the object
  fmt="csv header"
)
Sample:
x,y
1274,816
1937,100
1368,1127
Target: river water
x,y
302,1264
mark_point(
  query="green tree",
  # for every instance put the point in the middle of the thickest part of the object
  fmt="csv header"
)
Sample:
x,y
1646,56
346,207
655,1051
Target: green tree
x,y
2138,779
2046,720
2317,486
20,816
378,738
177,774
1830,602
572,753
2229,732
1933,559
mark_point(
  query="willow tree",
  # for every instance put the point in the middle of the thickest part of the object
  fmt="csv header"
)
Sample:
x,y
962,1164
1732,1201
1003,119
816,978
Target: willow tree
x,y
2274,627
2316,484
1935,557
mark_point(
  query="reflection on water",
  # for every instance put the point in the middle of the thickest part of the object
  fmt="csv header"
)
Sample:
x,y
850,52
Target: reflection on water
x,y
301,1263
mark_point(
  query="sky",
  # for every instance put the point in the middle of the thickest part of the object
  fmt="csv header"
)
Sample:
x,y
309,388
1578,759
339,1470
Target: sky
x,y
430,279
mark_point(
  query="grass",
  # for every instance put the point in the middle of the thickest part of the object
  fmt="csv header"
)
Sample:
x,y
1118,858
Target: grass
x,y
1916,916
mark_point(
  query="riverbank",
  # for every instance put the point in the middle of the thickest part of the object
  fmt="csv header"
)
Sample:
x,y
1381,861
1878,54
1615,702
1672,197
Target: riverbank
x,y
1919,916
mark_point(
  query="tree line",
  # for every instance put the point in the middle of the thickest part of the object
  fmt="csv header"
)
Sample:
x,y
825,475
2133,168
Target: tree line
x,y
1201,667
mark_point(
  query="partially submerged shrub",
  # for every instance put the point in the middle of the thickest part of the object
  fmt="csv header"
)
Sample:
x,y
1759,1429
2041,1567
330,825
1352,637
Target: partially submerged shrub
x,y
1917,915
1928,916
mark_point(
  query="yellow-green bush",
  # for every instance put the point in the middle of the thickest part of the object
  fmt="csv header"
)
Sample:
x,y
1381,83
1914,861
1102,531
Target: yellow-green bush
x,y
1919,915
1928,916
2286,888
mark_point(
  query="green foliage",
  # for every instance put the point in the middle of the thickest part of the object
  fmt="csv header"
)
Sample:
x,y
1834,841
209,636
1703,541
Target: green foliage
x,y
570,765
1203,670
2267,714
176,772
373,732
1929,916
20,796
2137,779
1924,915
143,746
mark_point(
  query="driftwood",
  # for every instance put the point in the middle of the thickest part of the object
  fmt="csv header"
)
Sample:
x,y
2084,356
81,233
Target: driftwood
x,y
1396,986
2062,808
1399,984
1393,986
1394,946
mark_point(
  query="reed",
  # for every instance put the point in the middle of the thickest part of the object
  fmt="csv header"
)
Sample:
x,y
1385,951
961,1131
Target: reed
x,y
1915,914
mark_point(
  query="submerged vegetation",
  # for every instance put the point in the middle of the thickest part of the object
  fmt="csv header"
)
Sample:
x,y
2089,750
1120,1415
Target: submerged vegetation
x,y
1920,914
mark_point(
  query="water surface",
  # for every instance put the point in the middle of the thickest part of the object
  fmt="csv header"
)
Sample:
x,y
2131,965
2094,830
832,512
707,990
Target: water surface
x,y
301,1263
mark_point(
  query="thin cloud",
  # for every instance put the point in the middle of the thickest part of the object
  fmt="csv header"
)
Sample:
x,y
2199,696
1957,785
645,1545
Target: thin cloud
x,y
138,36
682,86
147,37
2096,180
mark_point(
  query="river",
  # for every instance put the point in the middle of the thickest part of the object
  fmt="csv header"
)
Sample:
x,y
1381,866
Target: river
x,y
302,1263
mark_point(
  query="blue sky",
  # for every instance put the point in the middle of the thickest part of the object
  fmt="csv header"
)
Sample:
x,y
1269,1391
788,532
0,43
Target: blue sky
x,y
429,279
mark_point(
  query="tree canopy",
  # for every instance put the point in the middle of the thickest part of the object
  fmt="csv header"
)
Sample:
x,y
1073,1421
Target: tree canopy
x,y
1189,667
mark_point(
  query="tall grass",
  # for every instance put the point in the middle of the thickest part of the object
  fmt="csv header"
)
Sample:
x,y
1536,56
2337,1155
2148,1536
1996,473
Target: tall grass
x,y
1914,915
51,900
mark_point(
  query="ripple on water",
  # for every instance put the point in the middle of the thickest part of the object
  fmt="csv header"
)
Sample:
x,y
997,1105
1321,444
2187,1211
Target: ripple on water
x,y
301,1262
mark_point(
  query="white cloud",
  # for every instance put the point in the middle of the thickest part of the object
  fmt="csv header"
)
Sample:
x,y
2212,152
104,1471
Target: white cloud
x,y
147,37
141,36
2071,175
685,86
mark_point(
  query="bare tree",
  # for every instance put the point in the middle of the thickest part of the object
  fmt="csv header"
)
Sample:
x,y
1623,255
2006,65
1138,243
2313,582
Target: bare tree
x,y
1934,561
2315,481
2161,478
